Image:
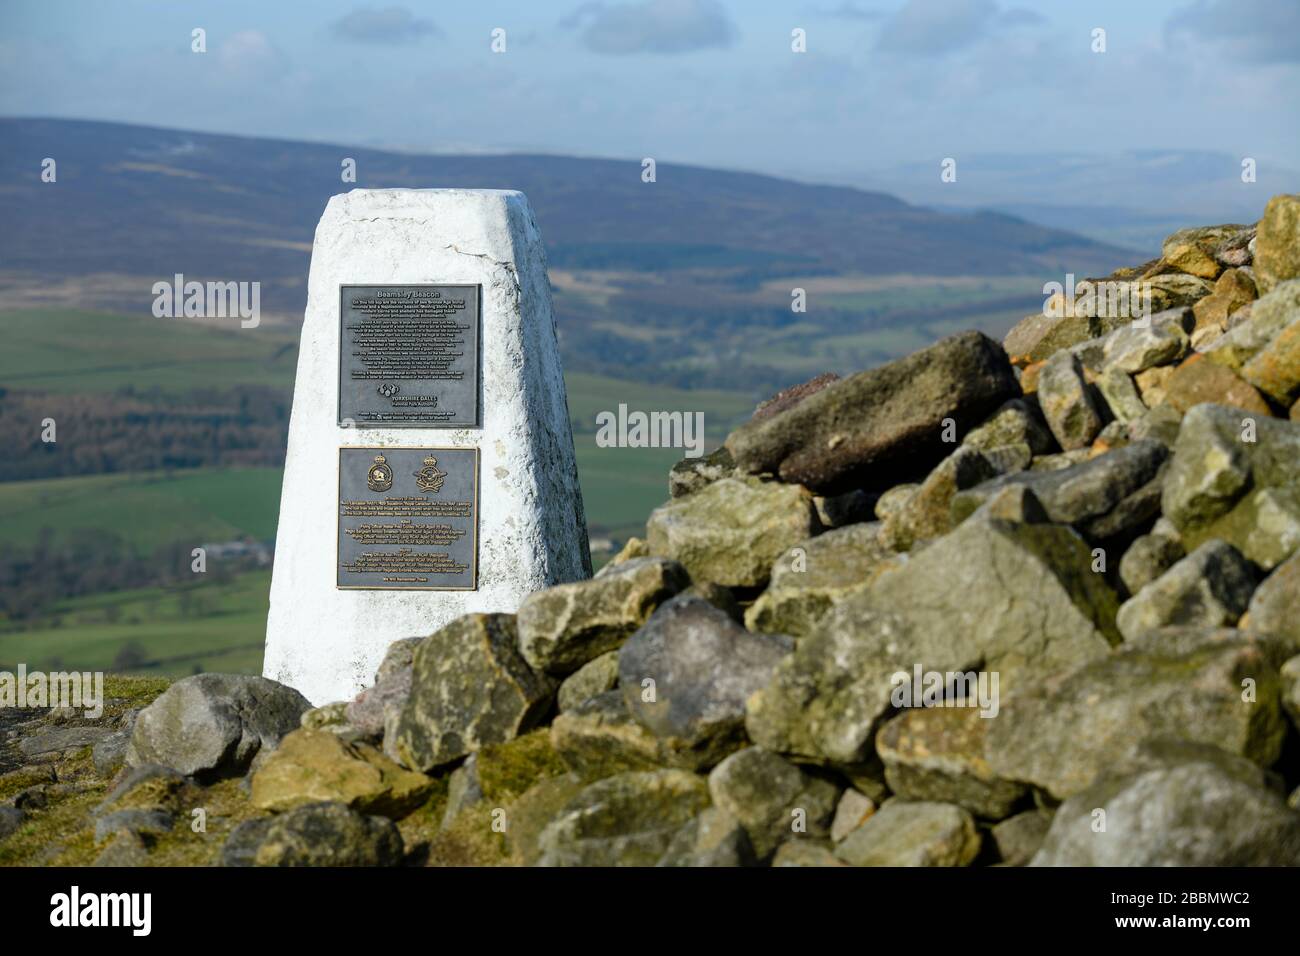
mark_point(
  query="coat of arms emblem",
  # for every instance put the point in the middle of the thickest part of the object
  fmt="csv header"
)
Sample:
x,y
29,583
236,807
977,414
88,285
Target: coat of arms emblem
x,y
379,477
429,479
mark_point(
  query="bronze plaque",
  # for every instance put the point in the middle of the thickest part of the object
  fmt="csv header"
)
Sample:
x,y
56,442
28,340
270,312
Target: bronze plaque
x,y
408,518
408,356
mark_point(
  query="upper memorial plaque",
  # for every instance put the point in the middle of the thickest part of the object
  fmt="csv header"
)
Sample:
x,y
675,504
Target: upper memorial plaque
x,y
408,356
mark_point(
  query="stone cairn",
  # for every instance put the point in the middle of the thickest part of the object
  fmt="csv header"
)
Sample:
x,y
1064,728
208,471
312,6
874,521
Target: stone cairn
x,y
1020,604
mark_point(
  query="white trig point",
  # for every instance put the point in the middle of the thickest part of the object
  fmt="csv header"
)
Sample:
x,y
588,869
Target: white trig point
x,y
430,470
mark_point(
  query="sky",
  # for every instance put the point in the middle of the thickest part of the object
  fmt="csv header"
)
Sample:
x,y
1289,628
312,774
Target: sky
x,y
711,82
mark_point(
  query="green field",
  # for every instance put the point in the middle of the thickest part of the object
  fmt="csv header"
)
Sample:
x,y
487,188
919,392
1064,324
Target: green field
x,y
210,626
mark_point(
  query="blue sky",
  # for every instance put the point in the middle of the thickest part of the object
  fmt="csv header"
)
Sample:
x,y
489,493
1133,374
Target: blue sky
x,y
712,82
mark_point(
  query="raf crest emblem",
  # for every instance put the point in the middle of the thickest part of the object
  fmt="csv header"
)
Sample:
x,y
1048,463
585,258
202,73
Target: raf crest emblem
x,y
429,479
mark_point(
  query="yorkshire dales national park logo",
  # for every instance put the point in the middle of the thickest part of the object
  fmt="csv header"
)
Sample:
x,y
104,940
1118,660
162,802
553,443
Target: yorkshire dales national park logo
x,y
429,479
380,476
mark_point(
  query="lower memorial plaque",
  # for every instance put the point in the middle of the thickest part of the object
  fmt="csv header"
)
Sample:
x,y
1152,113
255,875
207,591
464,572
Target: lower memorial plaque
x,y
408,518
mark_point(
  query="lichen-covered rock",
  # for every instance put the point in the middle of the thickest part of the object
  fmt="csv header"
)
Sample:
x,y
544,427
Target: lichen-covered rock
x,y
1274,605
714,838
469,687
1121,395
1060,734
925,514
590,680
732,530
805,853
533,811
938,754
1160,340
1067,402
629,819
214,724
1224,485
1199,380
850,813
874,428
376,709
1018,838
599,738
772,799
686,675
1275,369
691,474
563,627
893,499
1194,250
321,834
634,547
1080,492
1151,555
315,766
1233,291
1210,587
1277,242
1268,317
1020,599
816,574
913,833
1205,809
1017,424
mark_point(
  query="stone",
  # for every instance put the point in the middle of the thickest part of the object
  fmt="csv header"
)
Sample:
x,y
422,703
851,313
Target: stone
x,y
132,820
1208,810
1244,492
691,474
851,507
1018,838
590,680
59,739
126,848
713,838
1018,599
772,799
1152,384
1234,290
894,499
702,666
1137,347
11,818
1269,315
213,725
533,811
1019,422
1193,250
629,819
1173,290
723,598
925,514
566,626
109,754
1061,734
1014,503
469,687
805,853
913,833
1275,369
1150,555
1158,424
862,431
320,834
937,754
634,548
376,710
324,640
787,398
1198,380
851,812
1277,243
1210,587
315,766
731,531
1080,492
1121,395
599,738
1067,402
1290,672
813,576
464,790
148,787
331,717
1272,608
